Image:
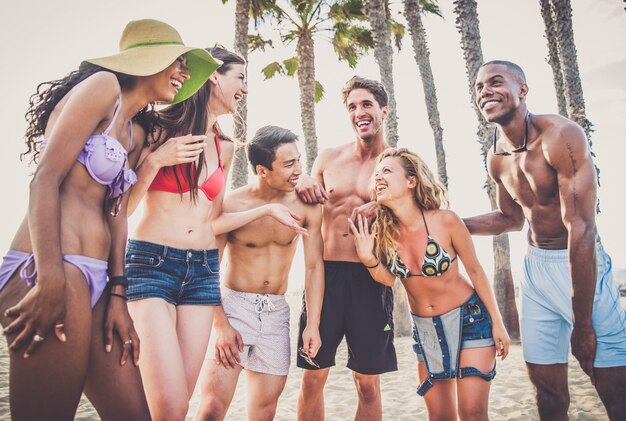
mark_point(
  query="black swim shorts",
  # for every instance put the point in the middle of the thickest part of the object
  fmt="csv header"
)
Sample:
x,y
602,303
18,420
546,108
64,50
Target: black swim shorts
x,y
357,306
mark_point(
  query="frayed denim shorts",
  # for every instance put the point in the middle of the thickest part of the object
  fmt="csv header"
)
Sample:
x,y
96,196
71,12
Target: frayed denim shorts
x,y
476,326
180,277
440,339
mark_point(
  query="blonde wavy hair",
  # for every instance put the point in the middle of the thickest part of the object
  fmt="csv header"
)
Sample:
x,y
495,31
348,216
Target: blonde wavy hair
x,y
429,193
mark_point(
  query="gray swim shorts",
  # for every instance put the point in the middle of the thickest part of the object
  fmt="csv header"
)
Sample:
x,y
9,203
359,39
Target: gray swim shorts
x,y
263,322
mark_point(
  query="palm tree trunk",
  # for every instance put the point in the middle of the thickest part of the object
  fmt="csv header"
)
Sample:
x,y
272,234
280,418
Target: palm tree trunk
x,y
240,164
553,54
422,58
383,54
562,10
306,81
569,64
468,26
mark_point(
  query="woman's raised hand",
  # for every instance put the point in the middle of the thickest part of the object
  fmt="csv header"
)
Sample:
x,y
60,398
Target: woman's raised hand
x,y
285,216
363,240
180,150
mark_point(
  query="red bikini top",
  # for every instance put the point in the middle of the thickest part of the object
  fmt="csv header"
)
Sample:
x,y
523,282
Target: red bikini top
x,y
165,180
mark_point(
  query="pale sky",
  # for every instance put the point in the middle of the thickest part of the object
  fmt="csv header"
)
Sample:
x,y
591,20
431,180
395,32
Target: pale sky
x,y
45,40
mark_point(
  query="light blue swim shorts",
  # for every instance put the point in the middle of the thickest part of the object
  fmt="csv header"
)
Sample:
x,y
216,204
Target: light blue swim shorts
x,y
546,320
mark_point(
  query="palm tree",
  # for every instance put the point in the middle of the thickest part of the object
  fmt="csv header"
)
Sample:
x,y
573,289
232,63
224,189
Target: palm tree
x,y
557,17
562,10
383,27
240,163
468,26
244,9
553,54
302,21
412,13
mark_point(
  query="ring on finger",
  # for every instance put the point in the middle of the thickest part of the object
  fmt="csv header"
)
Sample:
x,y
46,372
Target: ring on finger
x,y
128,341
38,338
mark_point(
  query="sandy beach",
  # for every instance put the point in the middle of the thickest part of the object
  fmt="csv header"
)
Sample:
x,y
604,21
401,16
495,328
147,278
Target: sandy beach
x,y
511,393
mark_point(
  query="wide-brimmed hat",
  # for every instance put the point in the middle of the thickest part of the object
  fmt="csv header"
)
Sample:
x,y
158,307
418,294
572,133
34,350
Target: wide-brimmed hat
x,y
149,46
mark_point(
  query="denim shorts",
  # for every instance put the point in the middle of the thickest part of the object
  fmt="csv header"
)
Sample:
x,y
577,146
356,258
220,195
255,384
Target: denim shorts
x,y
180,277
477,325
440,339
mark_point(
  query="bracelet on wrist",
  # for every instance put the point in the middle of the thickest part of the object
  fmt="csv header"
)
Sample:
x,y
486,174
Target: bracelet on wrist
x,y
118,280
115,294
373,266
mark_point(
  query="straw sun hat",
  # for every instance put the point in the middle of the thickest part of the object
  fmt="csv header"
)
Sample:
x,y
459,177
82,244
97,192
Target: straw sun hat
x,y
149,46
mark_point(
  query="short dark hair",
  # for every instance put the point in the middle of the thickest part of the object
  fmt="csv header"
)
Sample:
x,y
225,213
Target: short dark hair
x,y
262,147
511,66
376,88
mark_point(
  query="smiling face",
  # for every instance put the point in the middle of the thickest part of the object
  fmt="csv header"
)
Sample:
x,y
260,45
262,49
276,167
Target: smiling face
x,y
366,114
286,168
499,92
391,181
166,84
227,89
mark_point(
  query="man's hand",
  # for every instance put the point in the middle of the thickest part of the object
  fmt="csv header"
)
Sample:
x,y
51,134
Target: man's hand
x,y
584,348
311,340
228,346
367,212
311,190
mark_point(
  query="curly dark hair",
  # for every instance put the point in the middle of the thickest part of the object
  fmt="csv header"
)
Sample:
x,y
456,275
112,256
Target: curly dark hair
x,y
49,94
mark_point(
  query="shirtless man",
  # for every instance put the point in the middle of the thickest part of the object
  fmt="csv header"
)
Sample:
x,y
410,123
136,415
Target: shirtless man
x,y
252,327
354,304
544,174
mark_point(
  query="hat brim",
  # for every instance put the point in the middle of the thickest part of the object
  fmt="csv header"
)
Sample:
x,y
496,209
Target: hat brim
x,y
149,60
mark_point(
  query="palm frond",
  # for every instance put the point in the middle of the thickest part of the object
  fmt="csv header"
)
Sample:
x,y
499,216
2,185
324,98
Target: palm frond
x,y
271,69
256,43
291,65
319,91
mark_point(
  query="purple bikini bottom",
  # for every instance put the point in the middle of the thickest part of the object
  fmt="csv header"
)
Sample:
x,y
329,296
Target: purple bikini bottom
x,y
94,270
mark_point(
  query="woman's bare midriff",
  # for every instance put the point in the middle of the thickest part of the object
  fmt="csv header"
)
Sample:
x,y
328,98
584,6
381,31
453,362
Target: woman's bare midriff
x,y
437,295
175,221
84,229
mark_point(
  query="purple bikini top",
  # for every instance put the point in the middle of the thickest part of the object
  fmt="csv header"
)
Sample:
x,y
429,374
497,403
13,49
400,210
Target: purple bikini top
x,y
104,157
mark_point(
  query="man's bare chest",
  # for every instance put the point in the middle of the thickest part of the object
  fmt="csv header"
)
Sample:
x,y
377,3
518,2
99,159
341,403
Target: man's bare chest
x,y
530,180
348,181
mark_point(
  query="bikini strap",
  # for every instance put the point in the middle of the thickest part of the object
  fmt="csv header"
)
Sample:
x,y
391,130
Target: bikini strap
x,y
117,110
425,224
130,124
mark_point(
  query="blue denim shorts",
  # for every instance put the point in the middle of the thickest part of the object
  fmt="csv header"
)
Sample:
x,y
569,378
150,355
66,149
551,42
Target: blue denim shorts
x,y
180,277
477,325
440,339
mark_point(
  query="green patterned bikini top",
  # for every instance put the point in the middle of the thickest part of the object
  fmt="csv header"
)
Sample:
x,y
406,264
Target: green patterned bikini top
x,y
436,260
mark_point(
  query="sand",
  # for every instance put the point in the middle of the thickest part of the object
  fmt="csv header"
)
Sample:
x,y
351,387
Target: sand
x,y
511,395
